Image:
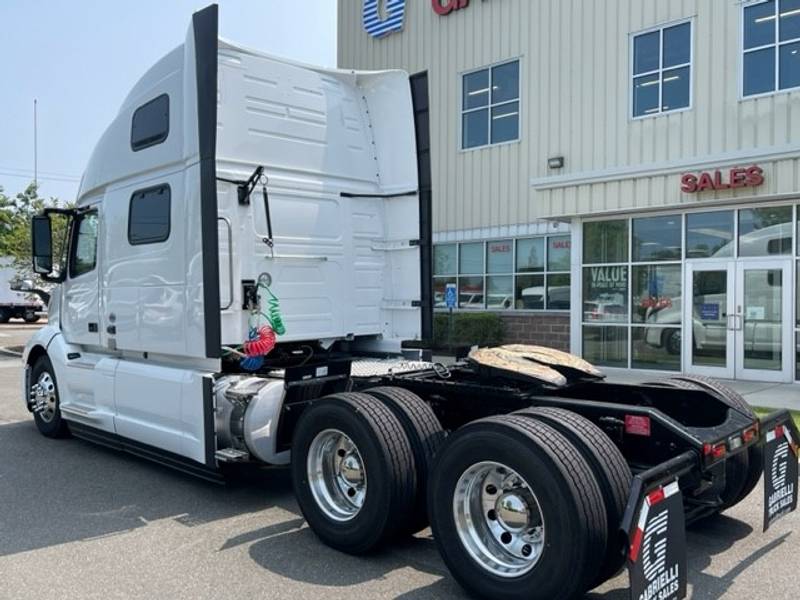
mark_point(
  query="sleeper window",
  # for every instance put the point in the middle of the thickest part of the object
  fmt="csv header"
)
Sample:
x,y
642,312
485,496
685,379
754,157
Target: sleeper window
x,y
150,123
148,219
84,250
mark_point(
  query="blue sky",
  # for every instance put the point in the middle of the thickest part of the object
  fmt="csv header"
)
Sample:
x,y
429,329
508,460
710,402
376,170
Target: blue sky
x,y
79,59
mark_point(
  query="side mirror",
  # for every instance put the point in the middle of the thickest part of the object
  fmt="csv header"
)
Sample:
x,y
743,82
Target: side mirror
x,y
42,237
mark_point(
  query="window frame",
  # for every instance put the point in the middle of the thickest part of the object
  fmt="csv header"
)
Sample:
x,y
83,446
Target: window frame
x,y
73,274
162,137
776,44
169,214
632,76
489,106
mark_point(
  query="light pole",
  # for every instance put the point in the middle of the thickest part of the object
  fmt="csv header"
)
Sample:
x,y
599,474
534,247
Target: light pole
x,y
35,149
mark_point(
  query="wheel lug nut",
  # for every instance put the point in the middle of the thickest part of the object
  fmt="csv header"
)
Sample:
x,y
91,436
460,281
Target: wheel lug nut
x,y
506,538
526,550
491,490
492,515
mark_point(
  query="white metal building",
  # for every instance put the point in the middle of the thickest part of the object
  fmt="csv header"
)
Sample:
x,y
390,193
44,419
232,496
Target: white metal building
x,y
620,177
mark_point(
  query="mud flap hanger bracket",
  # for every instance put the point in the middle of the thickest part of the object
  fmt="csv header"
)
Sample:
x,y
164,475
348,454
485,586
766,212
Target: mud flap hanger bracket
x,y
774,420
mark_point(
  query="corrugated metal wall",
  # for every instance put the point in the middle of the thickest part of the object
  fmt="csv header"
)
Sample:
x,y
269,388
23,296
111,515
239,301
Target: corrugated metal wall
x,y
575,80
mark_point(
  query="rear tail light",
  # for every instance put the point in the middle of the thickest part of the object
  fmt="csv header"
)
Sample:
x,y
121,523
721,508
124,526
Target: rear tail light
x,y
750,434
637,425
715,451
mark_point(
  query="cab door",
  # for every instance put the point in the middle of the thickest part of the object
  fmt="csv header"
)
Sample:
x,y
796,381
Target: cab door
x,y
81,306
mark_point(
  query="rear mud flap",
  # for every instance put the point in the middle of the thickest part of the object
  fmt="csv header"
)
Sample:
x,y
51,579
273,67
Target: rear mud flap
x,y
654,528
780,467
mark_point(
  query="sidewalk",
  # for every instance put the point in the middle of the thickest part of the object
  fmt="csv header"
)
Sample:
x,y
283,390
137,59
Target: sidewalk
x,y
761,394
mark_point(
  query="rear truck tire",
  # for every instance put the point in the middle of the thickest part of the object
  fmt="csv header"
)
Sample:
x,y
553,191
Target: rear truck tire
x,y
5,315
30,317
425,434
609,468
43,392
516,512
742,471
750,467
353,471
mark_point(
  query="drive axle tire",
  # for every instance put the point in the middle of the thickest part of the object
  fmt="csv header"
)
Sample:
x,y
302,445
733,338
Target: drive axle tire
x,y
353,471
30,317
516,512
5,315
426,436
747,471
43,392
742,471
609,467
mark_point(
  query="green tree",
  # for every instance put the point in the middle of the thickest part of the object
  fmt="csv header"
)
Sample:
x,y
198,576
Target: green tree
x,y
15,226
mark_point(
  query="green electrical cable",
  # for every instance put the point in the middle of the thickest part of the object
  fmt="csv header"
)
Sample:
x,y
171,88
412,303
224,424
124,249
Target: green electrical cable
x,y
273,314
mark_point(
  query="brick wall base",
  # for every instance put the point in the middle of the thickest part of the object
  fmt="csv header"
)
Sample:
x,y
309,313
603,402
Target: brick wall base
x,y
538,329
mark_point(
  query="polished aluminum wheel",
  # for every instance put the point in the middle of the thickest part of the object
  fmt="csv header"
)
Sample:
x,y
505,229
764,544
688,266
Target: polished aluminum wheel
x,y
498,519
336,475
43,393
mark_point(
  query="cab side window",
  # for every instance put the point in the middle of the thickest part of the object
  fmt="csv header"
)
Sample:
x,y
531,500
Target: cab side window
x,y
84,247
150,123
149,216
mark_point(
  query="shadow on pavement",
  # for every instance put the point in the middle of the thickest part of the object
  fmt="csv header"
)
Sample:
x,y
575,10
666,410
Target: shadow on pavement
x,y
715,536
58,491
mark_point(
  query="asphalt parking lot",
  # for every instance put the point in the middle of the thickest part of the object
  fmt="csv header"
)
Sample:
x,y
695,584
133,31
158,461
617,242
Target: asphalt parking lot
x,y
80,521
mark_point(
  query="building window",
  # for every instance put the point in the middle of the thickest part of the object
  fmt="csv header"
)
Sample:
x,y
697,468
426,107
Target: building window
x,y
765,231
490,106
662,70
505,274
148,216
632,300
771,47
710,234
150,123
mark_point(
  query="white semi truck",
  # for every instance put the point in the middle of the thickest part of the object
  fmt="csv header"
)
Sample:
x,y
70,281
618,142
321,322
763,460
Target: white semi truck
x,y
247,280
15,304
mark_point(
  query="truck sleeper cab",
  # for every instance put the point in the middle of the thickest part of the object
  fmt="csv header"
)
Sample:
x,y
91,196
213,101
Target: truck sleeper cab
x,y
244,279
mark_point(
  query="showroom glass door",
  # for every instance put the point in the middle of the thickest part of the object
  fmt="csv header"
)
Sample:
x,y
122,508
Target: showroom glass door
x,y
709,324
763,320
738,323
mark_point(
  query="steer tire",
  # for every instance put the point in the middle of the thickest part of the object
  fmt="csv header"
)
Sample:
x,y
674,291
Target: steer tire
x,y
30,317
426,436
388,464
742,471
609,468
50,425
572,509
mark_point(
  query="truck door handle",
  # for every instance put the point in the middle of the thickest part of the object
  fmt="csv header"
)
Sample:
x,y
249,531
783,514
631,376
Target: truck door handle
x,y
111,329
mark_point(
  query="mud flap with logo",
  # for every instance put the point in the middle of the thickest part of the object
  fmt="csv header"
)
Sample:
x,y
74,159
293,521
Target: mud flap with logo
x,y
657,552
780,474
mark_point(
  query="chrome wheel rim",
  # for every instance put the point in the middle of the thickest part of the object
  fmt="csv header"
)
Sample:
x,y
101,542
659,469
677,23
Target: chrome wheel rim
x,y
43,393
499,519
336,475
